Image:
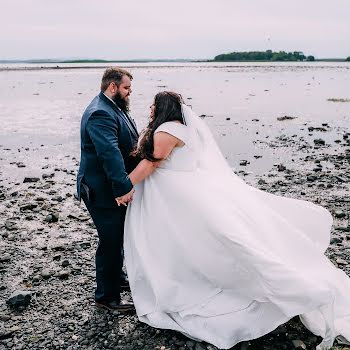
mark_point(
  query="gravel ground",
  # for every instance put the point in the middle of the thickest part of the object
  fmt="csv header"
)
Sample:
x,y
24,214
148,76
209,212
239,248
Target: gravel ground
x,y
47,244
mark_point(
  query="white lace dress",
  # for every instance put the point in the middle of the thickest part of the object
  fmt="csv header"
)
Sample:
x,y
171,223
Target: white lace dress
x,y
220,261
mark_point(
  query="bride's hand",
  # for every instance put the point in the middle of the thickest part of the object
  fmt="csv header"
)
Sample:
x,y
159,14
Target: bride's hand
x,y
124,200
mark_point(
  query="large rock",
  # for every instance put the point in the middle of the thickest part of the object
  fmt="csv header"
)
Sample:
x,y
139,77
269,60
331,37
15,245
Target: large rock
x,y
19,298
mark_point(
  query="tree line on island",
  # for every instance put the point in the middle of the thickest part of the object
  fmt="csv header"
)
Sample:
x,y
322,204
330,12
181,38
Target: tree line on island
x,y
268,55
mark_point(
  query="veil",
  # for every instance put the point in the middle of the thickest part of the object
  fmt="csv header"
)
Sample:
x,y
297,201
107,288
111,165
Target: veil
x,y
212,161
210,158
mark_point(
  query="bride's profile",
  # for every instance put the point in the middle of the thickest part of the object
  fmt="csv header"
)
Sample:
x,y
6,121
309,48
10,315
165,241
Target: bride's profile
x,y
216,259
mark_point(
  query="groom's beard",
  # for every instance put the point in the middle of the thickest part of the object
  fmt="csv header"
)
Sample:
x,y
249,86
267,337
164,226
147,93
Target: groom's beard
x,y
121,102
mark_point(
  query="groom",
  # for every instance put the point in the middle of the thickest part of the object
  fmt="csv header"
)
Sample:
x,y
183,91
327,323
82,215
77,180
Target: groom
x,y
108,135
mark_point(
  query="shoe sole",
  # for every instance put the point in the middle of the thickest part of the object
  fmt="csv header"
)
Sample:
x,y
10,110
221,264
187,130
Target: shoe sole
x,y
102,306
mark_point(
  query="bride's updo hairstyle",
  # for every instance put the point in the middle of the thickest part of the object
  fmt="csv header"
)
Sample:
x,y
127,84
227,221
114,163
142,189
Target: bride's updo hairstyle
x,y
167,108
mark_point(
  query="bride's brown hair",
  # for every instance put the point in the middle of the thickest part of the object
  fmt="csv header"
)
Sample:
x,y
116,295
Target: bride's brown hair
x,y
167,108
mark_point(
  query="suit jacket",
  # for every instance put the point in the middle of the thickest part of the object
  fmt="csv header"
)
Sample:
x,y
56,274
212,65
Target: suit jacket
x,y
107,137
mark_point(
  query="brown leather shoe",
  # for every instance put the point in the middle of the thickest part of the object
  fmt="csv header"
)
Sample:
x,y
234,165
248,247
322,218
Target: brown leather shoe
x,y
115,306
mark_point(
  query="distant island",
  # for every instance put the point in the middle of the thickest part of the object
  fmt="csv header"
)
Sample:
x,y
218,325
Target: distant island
x,y
268,55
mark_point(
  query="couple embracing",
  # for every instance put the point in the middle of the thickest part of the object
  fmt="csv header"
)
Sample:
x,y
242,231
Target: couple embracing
x,y
206,254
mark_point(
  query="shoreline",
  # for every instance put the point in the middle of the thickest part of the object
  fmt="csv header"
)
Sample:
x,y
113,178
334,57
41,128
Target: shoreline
x,y
209,64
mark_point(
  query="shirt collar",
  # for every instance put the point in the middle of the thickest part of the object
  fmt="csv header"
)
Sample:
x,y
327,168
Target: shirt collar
x,y
111,100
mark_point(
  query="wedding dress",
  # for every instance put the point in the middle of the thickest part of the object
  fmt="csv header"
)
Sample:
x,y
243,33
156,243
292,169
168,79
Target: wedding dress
x,y
220,261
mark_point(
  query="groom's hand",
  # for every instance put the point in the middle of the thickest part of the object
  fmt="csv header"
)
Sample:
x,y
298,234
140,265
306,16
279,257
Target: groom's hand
x,y
124,200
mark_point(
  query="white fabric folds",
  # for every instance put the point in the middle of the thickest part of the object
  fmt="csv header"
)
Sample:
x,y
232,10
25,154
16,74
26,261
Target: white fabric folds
x,y
220,261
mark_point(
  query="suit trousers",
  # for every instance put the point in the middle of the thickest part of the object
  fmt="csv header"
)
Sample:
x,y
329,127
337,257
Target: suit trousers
x,y
109,223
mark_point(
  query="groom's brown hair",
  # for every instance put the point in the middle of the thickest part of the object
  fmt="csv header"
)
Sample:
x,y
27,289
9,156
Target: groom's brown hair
x,y
113,74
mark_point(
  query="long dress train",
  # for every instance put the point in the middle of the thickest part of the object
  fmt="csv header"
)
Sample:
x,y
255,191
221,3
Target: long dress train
x,y
220,261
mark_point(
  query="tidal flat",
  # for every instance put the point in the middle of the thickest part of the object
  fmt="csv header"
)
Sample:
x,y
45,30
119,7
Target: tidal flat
x,y
282,127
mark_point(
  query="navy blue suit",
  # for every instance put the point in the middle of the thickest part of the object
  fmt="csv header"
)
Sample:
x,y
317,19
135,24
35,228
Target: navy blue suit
x,y
107,137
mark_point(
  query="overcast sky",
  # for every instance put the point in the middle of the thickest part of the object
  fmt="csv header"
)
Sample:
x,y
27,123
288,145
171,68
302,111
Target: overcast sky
x,y
114,29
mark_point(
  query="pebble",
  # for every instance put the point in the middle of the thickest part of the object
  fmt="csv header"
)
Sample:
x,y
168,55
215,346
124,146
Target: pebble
x,y
298,344
63,274
20,298
31,179
46,274
319,142
340,261
53,217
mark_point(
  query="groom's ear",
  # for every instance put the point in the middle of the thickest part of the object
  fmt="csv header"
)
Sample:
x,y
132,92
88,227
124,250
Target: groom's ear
x,y
113,87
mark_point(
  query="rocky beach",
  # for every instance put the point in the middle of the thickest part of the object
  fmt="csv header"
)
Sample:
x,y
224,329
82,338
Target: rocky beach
x,y
47,239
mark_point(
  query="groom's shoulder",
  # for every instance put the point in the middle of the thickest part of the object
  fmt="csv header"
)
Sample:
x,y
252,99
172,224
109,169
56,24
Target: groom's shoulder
x,y
98,106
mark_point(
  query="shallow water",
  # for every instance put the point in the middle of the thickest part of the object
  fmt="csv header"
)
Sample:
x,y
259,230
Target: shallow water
x,y
40,109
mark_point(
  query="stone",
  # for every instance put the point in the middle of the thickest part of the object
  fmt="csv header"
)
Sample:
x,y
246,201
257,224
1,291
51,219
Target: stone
x,y
298,344
48,176
85,245
319,142
281,167
57,198
28,206
336,240
36,279
311,178
339,214
11,225
262,182
342,228
4,317
46,274
78,217
8,333
340,178
312,128
340,261
53,217
243,163
65,263
63,274
31,179
5,257
58,246
20,298
285,117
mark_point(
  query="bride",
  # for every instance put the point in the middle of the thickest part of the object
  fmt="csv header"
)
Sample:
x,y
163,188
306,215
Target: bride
x,y
214,258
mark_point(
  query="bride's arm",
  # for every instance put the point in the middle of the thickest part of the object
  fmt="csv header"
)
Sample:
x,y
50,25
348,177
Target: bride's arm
x,y
164,143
